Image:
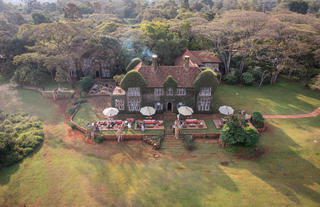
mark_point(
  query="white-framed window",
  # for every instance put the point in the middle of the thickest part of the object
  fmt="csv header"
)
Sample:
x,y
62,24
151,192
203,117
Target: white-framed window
x,y
119,104
105,73
158,92
170,92
205,92
134,104
204,104
133,92
158,106
181,91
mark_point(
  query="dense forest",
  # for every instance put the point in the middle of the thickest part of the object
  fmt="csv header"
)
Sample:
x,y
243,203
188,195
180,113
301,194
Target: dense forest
x,y
257,40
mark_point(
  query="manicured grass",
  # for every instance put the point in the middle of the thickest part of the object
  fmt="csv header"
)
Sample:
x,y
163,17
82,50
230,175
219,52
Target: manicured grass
x,y
211,128
86,114
281,98
68,172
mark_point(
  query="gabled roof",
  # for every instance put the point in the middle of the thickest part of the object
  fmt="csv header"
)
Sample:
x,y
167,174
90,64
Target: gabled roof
x,y
156,78
197,58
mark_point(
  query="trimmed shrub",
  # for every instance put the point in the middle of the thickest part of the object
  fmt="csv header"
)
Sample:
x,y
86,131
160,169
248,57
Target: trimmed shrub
x,y
247,78
79,101
86,83
230,79
251,137
20,134
133,63
206,78
170,82
257,119
133,79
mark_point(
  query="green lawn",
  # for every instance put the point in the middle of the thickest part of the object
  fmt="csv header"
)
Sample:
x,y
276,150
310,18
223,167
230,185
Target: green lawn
x,y
86,114
281,98
69,172
211,128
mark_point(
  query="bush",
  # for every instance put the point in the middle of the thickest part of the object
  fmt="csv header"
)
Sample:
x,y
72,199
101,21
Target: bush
x,y
257,119
20,134
133,63
230,79
86,83
79,101
72,109
247,78
98,139
251,137
235,132
188,141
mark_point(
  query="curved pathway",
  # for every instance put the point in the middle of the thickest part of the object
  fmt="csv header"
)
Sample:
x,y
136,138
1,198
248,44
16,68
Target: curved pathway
x,y
296,116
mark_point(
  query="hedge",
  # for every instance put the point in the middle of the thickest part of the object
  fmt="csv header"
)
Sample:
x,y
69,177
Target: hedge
x,y
206,78
257,119
133,63
133,79
170,82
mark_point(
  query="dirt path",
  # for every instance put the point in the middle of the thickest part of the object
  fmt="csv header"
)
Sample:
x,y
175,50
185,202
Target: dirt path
x,y
296,116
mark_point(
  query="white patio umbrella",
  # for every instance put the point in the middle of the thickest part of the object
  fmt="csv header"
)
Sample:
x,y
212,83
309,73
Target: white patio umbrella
x,y
147,111
110,112
226,110
185,110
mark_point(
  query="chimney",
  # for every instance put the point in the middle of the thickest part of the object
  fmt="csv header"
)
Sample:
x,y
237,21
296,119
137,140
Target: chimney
x,y
154,62
187,62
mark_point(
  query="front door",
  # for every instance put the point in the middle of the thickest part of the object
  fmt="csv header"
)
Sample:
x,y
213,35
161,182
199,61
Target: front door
x,y
169,106
97,74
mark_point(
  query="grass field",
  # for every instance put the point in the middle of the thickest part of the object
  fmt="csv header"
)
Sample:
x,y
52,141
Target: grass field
x,y
281,98
67,172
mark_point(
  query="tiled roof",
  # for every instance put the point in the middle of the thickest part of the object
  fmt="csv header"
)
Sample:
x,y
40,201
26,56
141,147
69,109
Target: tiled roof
x,y
197,58
156,78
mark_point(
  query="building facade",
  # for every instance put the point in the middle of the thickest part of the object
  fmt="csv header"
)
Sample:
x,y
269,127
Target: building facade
x,y
162,97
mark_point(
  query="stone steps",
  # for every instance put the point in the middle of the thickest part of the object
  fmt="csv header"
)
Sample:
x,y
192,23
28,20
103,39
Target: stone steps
x,y
172,145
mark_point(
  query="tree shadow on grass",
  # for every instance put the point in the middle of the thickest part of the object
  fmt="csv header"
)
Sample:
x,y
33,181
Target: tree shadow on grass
x,y
285,170
7,171
132,180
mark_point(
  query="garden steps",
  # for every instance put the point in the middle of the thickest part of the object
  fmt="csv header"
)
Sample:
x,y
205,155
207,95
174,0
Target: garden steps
x,y
172,145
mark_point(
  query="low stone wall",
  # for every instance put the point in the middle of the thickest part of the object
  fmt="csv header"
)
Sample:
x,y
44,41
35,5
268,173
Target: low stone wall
x,y
125,137
49,94
204,135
